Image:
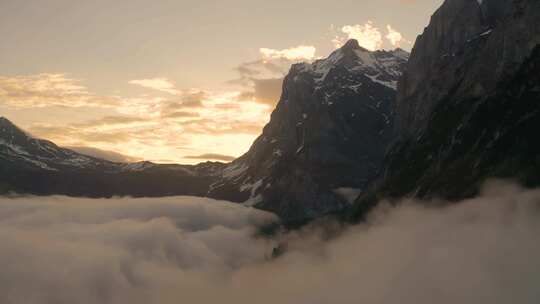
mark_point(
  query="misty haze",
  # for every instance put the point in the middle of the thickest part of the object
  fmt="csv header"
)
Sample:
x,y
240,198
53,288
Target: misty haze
x,y
185,249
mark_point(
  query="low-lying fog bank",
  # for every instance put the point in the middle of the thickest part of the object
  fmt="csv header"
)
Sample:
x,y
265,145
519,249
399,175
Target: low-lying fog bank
x,y
193,250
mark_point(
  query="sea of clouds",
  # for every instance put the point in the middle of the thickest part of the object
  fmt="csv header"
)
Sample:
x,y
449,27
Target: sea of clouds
x,y
62,250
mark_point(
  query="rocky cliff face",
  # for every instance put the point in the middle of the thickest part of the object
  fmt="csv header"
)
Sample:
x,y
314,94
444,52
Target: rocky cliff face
x,y
468,105
467,49
326,138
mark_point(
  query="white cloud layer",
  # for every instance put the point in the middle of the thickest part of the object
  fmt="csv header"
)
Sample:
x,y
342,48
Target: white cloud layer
x,y
191,250
369,36
302,52
394,37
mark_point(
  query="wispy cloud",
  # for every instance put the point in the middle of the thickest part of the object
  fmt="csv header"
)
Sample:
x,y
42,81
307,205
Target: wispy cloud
x,y
45,90
261,80
369,36
395,38
159,84
155,128
302,52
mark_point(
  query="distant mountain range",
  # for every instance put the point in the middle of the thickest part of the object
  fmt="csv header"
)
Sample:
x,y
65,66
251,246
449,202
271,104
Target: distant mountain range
x,y
353,128
35,166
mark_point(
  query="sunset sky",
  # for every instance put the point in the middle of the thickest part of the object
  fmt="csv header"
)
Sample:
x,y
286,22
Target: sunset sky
x,y
174,81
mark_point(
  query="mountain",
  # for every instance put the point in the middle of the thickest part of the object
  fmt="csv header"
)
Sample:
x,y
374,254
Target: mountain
x,y
468,105
326,138
35,166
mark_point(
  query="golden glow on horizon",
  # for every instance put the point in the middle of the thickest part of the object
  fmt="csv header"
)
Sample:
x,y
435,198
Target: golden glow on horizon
x,y
224,124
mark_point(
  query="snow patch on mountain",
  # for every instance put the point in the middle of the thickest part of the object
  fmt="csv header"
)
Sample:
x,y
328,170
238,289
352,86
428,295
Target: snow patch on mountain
x,y
382,67
349,194
138,166
234,170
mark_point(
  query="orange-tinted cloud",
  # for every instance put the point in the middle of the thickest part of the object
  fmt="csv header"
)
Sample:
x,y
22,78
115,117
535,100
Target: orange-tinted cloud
x,y
153,128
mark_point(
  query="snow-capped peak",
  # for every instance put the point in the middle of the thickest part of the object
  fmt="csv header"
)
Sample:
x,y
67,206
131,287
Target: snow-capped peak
x,y
381,66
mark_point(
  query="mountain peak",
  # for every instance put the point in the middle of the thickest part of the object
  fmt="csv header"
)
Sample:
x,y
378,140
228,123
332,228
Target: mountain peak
x,y
328,131
352,44
382,67
352,50
5,121
7,127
